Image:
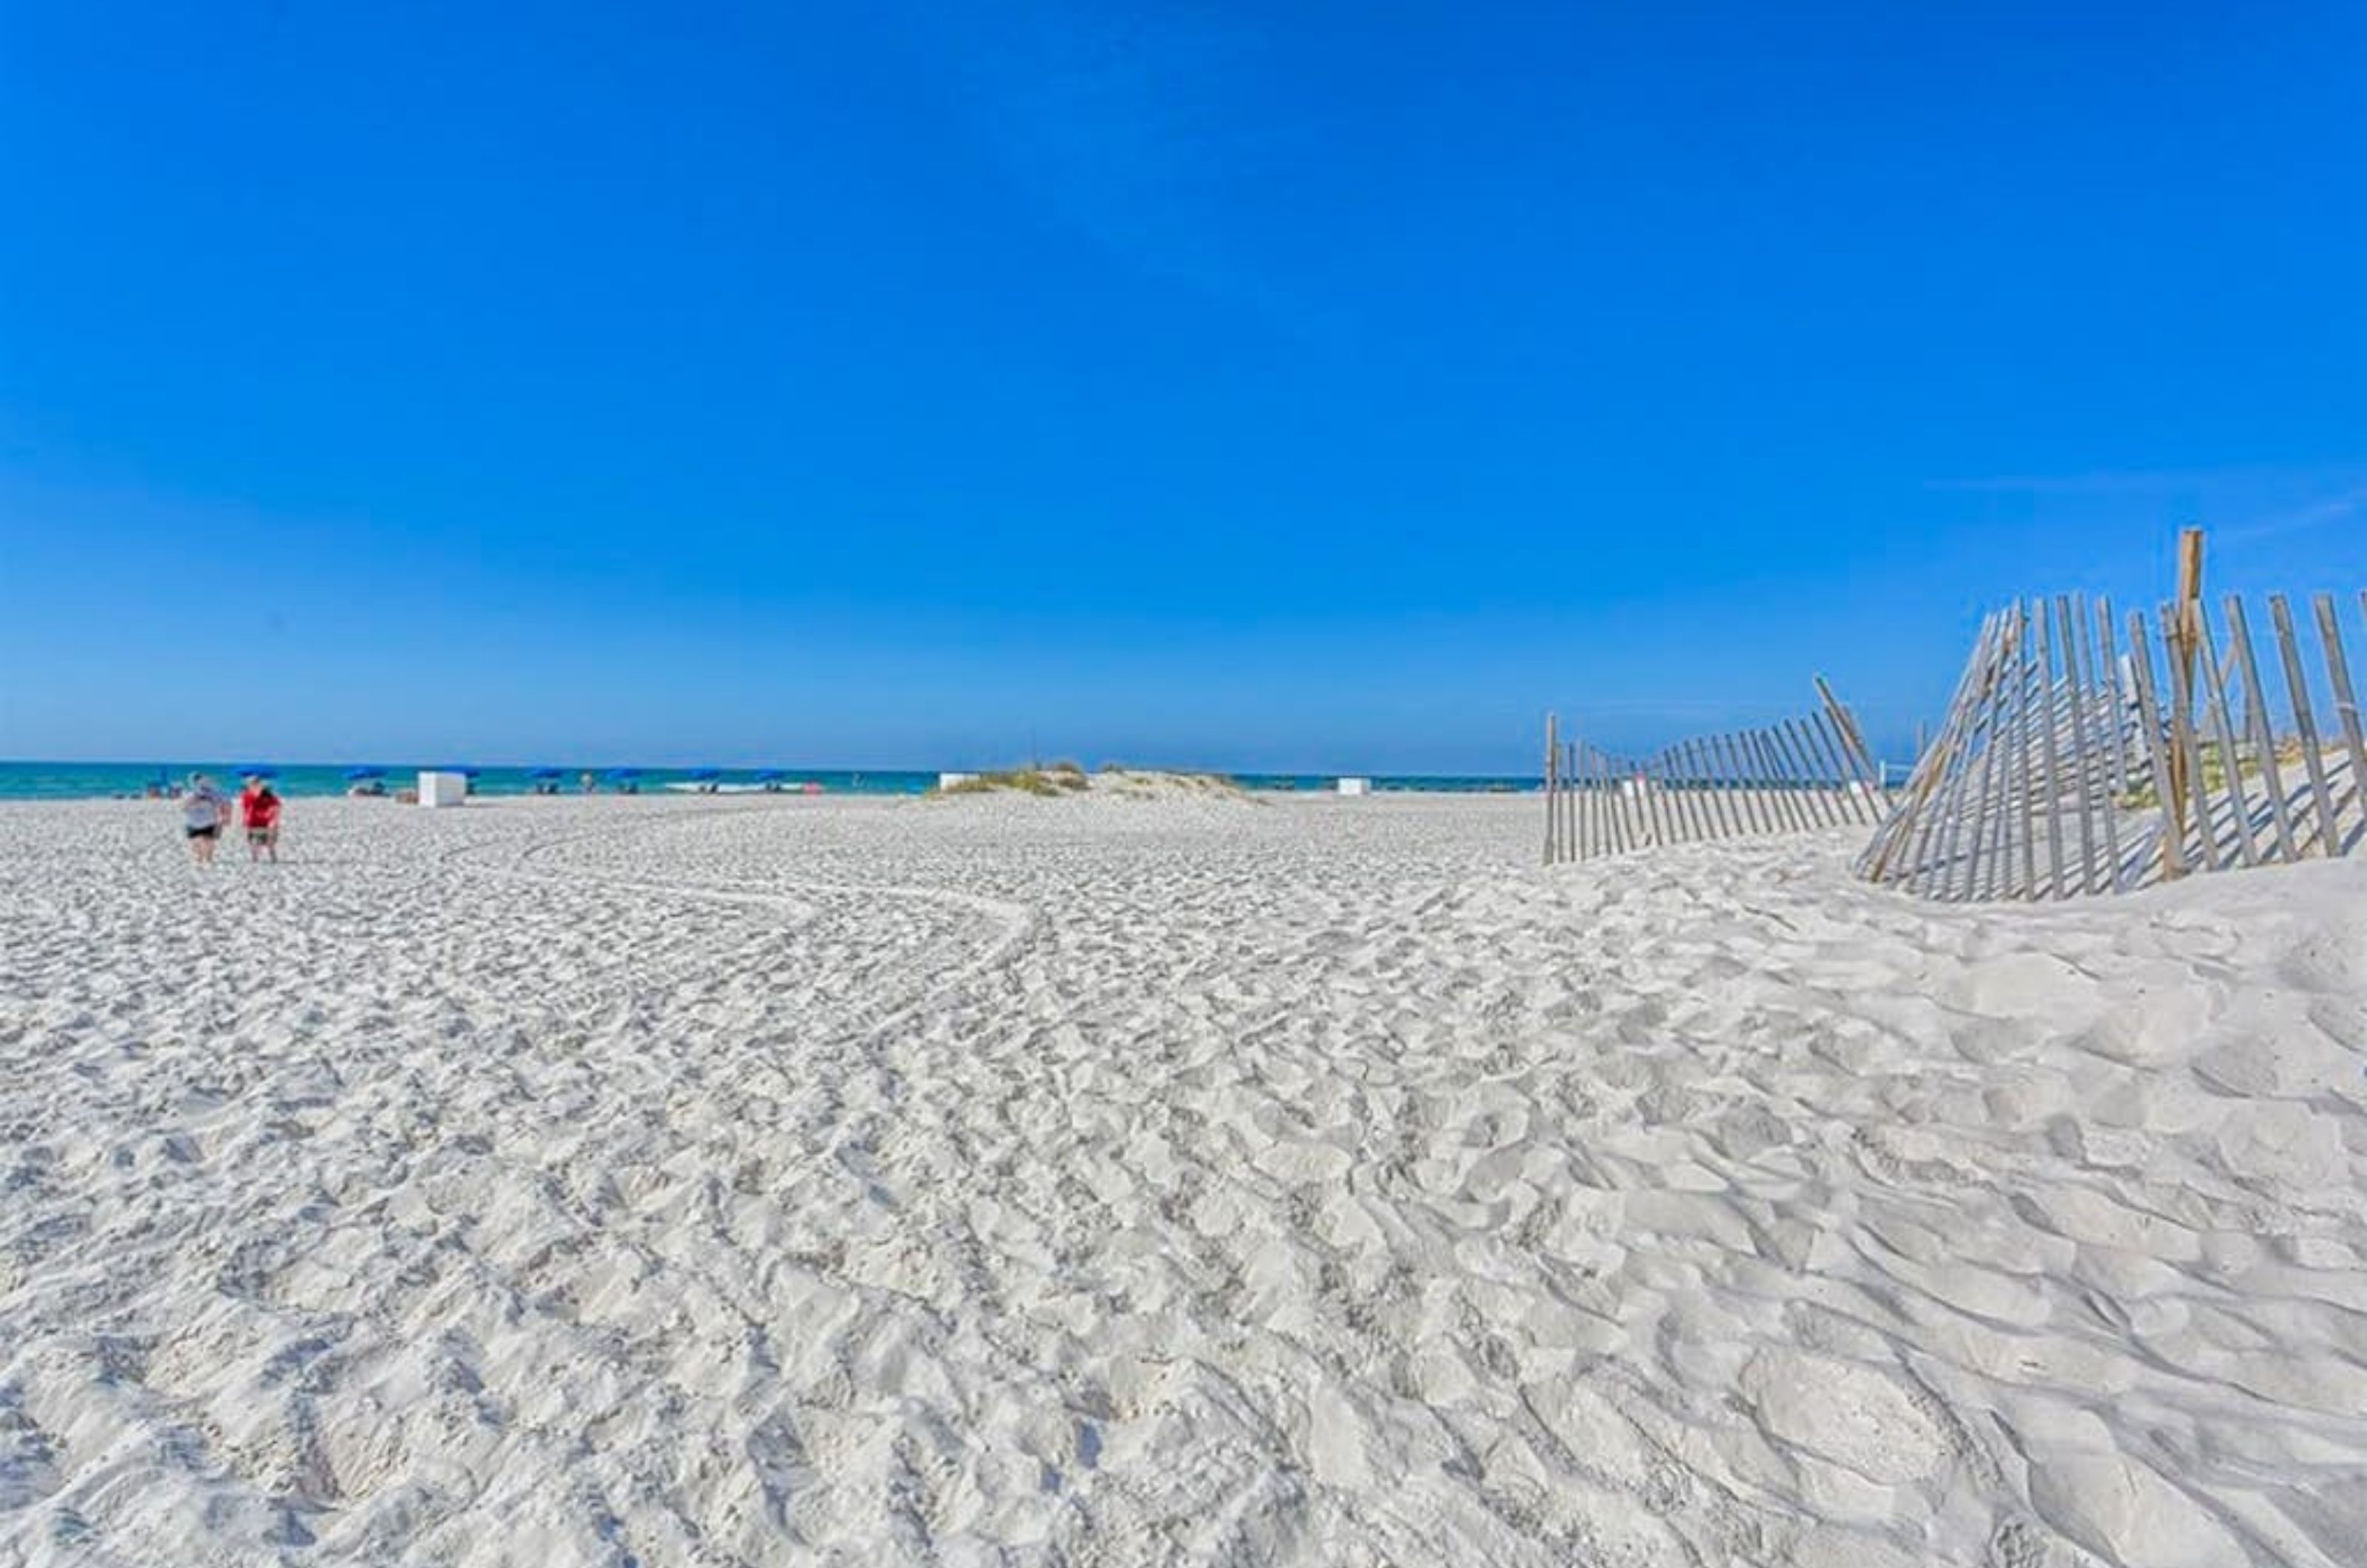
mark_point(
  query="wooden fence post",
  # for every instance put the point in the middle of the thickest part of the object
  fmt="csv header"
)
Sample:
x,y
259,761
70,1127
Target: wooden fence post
x,y
1553,796
2184,635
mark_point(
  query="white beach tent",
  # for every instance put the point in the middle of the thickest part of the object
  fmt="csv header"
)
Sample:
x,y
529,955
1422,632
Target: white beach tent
x,y
442,788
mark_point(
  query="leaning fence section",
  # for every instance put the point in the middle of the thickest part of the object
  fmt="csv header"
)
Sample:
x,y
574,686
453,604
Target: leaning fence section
x,y
2084,755
1798,775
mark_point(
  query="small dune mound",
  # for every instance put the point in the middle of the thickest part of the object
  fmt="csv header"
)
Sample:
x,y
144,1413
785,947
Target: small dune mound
x,y
1144,783
1055,781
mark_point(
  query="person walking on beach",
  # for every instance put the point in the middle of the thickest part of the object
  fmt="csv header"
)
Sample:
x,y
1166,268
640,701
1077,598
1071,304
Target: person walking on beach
x,y
202,813
258,808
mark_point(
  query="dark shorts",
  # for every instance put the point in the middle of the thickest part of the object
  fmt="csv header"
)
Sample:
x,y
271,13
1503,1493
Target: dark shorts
x,y
205,832
263,835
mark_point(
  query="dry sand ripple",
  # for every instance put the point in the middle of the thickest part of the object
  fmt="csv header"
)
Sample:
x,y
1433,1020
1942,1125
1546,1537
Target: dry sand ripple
x,y
1112,1182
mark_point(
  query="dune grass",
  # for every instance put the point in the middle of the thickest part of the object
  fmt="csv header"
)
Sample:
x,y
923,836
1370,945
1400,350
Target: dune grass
x,y
2143,796
1056,780
1051,781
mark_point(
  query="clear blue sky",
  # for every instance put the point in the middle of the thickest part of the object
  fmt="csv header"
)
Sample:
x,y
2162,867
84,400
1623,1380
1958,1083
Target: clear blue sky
x,y
1262,386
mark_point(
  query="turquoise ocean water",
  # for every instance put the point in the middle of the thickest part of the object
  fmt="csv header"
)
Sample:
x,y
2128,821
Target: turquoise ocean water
x,y
99,781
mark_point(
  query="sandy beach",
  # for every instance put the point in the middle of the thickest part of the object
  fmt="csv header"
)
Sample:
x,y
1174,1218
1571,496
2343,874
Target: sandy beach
x,y
715,1181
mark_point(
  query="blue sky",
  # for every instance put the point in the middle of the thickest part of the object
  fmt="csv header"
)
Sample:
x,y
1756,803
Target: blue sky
x,y
1296,387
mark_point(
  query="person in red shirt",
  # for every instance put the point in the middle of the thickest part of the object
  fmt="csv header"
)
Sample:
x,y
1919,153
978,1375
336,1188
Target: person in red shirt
x,y
258,808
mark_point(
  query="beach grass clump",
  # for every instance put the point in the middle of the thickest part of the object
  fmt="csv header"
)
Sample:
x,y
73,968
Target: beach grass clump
x,y
2143,796
1059,779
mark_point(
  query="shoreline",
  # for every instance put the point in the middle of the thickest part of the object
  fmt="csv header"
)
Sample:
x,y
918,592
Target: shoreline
x,y
64,781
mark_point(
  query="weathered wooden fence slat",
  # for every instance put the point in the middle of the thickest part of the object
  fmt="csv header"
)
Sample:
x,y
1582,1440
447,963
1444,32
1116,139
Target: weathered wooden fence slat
x,y
2329,837
2230,753
2168,835
2193,803
2255,704
2346,706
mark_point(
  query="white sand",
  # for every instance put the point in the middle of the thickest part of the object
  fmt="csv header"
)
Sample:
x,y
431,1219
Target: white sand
x,y
693,1181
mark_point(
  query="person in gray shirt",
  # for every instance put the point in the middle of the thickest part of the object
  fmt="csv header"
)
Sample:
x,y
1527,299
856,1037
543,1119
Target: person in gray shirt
x,y
202,811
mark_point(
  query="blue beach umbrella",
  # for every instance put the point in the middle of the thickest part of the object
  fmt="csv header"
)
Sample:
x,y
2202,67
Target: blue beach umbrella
x,y
701,775
771,775
623,773
360,774
547,774
258,772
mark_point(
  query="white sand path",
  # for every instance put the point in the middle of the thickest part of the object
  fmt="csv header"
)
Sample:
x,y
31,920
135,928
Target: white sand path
x,y
662,1182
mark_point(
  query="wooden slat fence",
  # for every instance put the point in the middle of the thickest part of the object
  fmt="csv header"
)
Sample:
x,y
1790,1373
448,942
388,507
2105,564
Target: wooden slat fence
x,y
2085,755
1793,776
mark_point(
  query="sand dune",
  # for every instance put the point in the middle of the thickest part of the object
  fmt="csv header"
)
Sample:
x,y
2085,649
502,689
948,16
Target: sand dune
x,y
1092,1182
